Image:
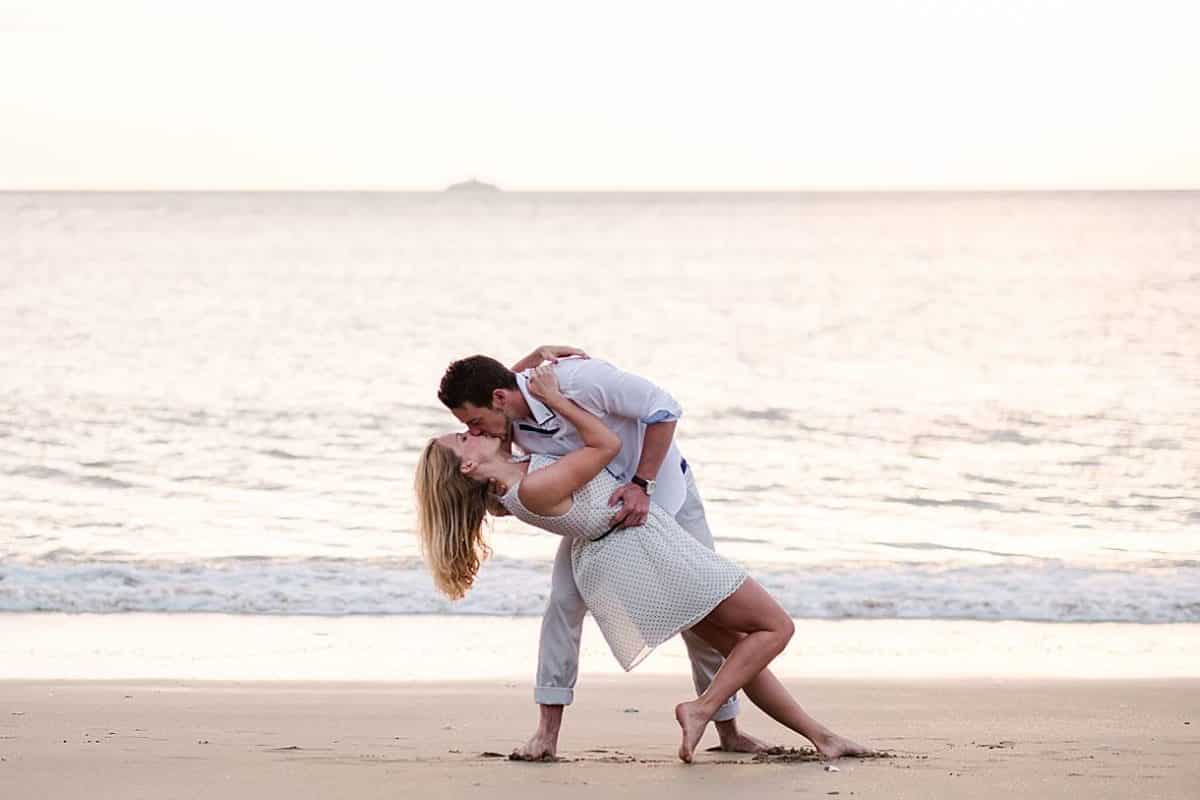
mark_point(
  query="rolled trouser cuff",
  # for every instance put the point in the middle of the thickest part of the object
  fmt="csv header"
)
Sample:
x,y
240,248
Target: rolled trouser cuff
x,y
553,696
727,711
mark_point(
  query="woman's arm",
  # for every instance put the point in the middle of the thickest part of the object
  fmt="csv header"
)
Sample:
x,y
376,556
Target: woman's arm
x,y
548,491
547,352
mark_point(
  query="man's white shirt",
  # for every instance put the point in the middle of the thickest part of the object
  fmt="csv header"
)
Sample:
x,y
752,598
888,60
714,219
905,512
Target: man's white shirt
x,y
626,404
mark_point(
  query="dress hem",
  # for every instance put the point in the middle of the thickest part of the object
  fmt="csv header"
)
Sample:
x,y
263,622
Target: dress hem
x,y
648,648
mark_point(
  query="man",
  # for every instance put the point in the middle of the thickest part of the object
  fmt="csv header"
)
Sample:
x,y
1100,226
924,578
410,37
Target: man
x,y
494,400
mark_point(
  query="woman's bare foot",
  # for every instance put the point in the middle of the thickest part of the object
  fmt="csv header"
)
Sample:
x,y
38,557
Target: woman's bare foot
x,y
834,746
692,722
734,741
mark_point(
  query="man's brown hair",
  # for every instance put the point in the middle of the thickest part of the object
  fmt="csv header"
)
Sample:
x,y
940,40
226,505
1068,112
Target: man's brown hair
x,y
472,380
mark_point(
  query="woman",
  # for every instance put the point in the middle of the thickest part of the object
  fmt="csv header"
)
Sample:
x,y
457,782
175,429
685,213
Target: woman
x,y
642,585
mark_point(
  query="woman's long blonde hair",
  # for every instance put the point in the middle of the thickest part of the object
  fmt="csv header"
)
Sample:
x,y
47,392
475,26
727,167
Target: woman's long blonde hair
x,y
450,512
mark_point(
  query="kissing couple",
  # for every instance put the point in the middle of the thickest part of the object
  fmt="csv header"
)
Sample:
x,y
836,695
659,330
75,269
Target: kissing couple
x,y
600,468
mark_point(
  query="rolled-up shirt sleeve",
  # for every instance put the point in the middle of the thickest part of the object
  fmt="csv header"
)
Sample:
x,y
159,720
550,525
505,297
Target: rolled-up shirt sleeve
x,y
603,389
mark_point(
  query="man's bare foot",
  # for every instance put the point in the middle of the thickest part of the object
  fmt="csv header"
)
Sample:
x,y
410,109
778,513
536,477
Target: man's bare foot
x,y
834,746
692,722
734,741
540,747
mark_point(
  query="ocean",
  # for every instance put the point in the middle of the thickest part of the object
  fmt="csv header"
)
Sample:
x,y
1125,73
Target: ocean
x,y
970,406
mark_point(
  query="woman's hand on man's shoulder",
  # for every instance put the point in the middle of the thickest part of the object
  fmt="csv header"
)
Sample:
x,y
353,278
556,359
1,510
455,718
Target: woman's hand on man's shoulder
x,y
543,383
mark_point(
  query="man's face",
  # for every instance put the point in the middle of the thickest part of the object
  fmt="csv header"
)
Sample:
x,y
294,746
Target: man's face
x,y
482,421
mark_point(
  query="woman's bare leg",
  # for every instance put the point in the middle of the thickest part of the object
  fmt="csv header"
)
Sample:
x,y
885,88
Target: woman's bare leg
x,y
750,629
766,629
768,693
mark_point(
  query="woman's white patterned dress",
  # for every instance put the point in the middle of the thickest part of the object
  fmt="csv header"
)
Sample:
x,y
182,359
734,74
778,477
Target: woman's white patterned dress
x,y
643,585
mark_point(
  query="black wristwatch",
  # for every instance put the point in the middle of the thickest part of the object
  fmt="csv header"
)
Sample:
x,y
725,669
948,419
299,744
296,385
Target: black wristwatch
x,y
647,486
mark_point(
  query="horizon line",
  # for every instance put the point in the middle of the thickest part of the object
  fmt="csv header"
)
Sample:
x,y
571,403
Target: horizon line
x,y
502,190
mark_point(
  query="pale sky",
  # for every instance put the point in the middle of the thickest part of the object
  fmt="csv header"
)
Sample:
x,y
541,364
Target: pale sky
x,y
842,94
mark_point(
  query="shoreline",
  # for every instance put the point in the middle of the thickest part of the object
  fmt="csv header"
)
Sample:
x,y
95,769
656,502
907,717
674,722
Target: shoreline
x,y
140,646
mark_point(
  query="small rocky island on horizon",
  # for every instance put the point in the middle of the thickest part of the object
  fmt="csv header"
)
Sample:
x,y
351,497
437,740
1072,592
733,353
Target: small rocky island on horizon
x,y
472,186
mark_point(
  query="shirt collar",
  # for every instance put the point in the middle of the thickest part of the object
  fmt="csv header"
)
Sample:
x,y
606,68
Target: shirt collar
x,y
540,411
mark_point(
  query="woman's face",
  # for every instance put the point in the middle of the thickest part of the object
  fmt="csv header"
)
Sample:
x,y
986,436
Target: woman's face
x,y
469,447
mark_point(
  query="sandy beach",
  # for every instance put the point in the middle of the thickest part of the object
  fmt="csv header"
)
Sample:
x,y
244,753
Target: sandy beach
x,y
193,706
947,738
